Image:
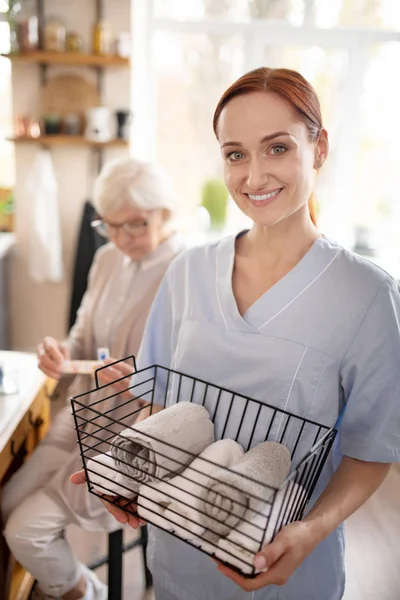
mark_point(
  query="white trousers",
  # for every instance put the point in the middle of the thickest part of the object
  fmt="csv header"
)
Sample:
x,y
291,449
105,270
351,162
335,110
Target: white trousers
x,y
38,503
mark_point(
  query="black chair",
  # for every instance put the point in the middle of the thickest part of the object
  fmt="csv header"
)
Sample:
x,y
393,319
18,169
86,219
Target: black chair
x,y
116,550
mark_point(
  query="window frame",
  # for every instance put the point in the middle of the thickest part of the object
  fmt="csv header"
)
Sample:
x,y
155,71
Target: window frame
x,y
355,41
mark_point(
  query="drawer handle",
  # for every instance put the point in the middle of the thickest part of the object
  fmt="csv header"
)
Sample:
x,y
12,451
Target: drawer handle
x,y
35,423
21,452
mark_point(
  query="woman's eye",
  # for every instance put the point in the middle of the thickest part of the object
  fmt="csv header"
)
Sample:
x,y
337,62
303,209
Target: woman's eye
x,y
234,156
278,150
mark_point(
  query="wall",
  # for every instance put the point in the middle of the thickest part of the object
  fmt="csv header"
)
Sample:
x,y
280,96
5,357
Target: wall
x,y
38,310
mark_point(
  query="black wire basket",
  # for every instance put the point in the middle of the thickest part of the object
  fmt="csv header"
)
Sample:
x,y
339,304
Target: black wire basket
x,y
249,513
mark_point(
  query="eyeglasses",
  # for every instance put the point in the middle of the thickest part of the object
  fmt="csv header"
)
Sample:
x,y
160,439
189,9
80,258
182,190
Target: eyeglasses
x,y
108,230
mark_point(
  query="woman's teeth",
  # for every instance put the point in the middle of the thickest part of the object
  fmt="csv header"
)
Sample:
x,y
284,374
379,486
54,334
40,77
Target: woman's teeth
x,y
260,197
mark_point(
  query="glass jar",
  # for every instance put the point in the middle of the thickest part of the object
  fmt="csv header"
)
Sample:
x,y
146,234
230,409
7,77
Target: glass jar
x,y
55,36
72,124
74,42
27,28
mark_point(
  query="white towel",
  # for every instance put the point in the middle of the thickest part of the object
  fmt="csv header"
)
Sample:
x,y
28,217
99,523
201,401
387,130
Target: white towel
x,y
174,504
158,447
208,543
244,541
259,473
104,477
45,251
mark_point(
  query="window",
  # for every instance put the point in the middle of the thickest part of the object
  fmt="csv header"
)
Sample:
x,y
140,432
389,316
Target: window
x,y
6,118
348,49
372,14
376,176
240,10
194,70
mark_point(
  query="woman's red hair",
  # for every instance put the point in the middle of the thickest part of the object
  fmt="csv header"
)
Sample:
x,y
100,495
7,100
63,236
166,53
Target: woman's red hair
x,y
289,85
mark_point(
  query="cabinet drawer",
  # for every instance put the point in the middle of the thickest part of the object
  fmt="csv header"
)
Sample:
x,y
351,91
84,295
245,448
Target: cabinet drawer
x,y
32,426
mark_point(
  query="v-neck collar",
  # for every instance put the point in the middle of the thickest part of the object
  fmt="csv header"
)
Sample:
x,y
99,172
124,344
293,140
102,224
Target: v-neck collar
x,y
280,296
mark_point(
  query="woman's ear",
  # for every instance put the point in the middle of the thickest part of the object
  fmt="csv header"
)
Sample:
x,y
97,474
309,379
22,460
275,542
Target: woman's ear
x,y
321,149
165,214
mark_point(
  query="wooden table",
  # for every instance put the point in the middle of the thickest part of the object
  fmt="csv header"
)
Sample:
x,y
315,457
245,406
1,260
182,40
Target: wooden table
x,y
24,420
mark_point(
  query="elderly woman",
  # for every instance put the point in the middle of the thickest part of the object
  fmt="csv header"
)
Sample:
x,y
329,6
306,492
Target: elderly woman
x,y
135,205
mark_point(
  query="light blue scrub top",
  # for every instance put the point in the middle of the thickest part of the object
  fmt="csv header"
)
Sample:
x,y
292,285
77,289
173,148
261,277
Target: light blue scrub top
x,y
324,336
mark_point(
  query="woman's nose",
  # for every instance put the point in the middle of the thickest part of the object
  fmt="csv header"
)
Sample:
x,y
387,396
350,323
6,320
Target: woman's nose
x,y
257,177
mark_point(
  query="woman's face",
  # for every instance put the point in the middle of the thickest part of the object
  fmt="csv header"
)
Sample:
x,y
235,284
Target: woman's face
x,y
134,231
269,162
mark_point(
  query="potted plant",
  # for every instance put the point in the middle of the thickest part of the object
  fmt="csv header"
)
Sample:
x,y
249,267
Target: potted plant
x,y
214,198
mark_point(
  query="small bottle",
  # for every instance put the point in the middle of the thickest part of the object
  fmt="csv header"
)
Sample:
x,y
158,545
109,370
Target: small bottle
x,y
102,38
103,353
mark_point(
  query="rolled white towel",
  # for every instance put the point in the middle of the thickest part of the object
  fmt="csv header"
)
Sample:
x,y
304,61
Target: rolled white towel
x,y
256,476
174,504
243,542
153,449
105,479
152,504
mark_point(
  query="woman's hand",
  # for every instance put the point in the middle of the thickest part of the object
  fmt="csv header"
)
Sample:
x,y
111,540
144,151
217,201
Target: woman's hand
x,y
351,485
280,558
51,353
118,512
110,375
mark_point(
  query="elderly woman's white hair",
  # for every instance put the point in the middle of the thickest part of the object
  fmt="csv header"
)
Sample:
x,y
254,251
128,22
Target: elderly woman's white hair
x,y
143,185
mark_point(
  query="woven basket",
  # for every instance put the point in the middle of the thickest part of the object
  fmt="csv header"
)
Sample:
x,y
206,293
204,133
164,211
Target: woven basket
x,y
68,94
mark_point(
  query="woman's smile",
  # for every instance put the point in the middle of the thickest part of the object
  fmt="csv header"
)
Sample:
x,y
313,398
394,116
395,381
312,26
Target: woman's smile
x,y
262,199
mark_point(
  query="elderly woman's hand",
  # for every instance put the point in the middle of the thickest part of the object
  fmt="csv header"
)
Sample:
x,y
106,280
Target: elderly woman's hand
x,y
118,512
280,558
51,353
112,373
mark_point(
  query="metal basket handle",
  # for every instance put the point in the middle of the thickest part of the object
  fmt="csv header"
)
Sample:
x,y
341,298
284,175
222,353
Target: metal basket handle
x,y
116,362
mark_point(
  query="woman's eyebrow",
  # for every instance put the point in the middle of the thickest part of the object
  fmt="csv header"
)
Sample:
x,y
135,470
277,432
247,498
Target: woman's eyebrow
x,y
266,138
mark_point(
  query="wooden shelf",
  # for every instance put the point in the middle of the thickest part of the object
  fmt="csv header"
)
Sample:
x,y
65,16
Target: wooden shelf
x,y
66,140
78,59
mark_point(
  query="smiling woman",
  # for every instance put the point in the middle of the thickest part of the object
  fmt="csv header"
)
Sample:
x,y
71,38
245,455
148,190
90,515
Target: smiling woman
x,y
259,165
281,314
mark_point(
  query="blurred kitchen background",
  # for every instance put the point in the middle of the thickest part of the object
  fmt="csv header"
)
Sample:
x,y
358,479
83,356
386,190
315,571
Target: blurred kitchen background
x,y
82,82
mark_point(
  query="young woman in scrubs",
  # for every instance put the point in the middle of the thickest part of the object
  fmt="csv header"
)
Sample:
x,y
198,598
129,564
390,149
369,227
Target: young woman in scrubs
x,y
282,314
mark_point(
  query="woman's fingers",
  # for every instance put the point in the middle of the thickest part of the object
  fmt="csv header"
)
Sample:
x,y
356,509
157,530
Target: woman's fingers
x,y
119,512
52,348
49,367
118,370
110,374
50,357
280,558
78,478
124,368
115,511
